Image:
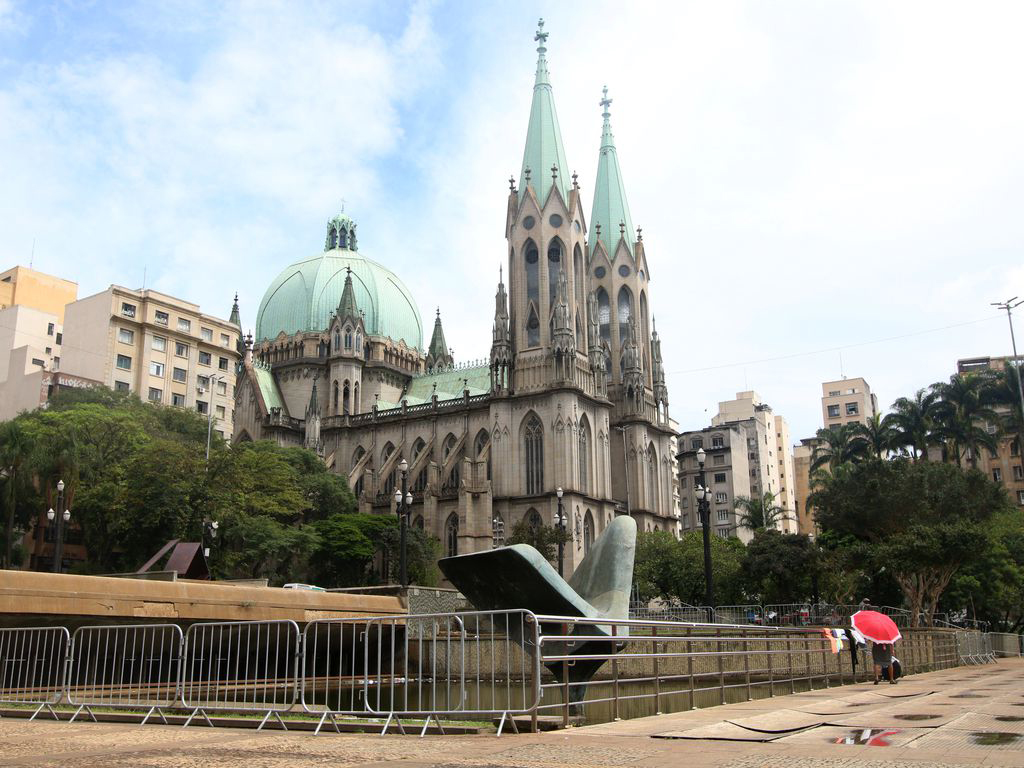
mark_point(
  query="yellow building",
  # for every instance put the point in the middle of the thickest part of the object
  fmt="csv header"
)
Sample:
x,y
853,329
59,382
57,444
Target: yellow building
x,y
847,401
24,287
162,348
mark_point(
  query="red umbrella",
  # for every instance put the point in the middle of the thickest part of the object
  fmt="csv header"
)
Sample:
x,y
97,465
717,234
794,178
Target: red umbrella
x,y
876,627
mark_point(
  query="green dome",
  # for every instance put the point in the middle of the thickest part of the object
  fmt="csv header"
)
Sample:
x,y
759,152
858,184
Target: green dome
x,y
305,295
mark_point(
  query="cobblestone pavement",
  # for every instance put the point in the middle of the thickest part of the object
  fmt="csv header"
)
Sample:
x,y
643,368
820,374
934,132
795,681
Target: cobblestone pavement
x,y
956,718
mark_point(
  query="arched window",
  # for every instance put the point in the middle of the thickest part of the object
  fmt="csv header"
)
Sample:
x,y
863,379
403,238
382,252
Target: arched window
x,y
625,311
333,239
534,520
348,338
652,477
355,398
337,341
451,535
482,438
420,483
554,269
343,238
604,314
584,455
358,490
588,532
334,397
531,260
346,399
418,522
451,484
366,351
577,274
533,454
579,332
387,484
359,341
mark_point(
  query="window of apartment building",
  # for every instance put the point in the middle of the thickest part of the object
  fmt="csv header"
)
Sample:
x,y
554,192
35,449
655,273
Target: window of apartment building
x,y
157,369
178,400
997,475
718,459
181,349
128,310
751,442
49,350
1020,497
1018,472
225,340
696,443
222,387
851,409
717,441
684,502
125,336
156,395
686,520
833,393
220,433
124,362
202,406
206,334
180,374
222,363
121,386
37,361
719,477
1014,448
753,490
205,358
162,318
833,411
202,381
753,472
49,329
159,344
184,325
721,497
752,456
60,338
722,533
220,411
56,363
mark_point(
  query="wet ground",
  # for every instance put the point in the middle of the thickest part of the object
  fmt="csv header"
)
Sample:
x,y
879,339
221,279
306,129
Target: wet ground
x,y
961,717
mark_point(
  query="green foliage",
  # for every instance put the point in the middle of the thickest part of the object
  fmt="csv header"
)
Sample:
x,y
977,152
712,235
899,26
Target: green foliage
x,y
757,514
779,567
543,538
674,568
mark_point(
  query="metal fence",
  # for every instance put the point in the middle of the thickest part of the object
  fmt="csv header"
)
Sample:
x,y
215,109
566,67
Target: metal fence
x,y
465,665
1006,644
32,668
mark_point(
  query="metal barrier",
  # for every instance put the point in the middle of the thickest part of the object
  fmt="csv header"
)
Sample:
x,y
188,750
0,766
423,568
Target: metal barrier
x,y
974,647
462,664
739,614
1006,644
241,666
132,666
32,667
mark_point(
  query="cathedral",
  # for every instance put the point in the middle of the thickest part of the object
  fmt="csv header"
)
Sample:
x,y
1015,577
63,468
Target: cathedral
x,y
570,404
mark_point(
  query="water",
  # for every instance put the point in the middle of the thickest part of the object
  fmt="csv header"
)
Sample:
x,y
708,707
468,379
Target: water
x,y
995,738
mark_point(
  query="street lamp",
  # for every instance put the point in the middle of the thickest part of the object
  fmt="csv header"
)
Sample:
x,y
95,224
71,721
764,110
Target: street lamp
x,y
560,520
214,379
498,531
403,506
209,529
703,494
62,518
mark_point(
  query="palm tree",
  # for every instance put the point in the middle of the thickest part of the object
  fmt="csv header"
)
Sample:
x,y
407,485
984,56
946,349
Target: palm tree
x,y
964,416
835,446
913,422
876,437
1004,393
15,447
760,513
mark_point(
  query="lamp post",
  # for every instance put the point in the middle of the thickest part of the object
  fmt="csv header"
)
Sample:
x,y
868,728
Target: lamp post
x,y
498,531
209,530
560,520
403,505
214,379
704,506
61,518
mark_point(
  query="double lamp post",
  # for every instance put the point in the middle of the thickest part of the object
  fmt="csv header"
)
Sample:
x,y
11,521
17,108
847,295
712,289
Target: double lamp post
x,y
61,518
403,507
703,494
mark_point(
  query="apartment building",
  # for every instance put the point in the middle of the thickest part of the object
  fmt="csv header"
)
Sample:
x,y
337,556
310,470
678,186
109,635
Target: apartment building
x,y
1005,465
847,401
748,454
803,453
161,348
25,287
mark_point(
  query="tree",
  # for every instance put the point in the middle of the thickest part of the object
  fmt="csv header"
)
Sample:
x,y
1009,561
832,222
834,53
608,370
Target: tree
x,y
964,414
1003,393
876,437
779,567
913,421
921,522
543,538
835,446
15,451
674,569
760,513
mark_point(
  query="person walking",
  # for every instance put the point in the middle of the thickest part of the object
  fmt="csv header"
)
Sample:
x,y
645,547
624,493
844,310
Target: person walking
x,y
881,656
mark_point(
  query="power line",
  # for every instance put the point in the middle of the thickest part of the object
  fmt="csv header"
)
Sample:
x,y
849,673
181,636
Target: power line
x,y
831,349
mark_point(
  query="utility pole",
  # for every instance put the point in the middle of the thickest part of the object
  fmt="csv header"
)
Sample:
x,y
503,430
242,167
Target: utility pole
x,y
1009,305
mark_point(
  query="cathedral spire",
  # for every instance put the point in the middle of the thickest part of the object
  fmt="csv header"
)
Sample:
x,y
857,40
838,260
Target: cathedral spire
x,y
347,307
438,355
235,318
501,342
544,163
611,211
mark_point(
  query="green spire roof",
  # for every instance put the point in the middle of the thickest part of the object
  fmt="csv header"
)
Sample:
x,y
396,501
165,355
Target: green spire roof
x,y
610,206
347,307
235,318
543,137
438,347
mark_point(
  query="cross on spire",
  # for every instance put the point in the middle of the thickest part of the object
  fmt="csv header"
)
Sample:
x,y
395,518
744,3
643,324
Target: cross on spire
x,y
554,173
526,173
511,183
622,229
639,233
575,185
605,102
541,36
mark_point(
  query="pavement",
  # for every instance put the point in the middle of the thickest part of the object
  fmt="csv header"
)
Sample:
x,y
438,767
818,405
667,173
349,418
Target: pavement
x,y
966,716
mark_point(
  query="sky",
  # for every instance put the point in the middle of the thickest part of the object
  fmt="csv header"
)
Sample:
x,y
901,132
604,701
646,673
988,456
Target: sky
x,y
825,189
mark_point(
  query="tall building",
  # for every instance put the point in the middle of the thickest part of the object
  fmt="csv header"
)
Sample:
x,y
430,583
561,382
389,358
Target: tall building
x,y
24,287
847,401
161,348
1005,466
747,455
571,397
803,454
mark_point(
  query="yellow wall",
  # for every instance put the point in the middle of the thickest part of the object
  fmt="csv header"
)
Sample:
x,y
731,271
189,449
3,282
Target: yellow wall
x,y
25,287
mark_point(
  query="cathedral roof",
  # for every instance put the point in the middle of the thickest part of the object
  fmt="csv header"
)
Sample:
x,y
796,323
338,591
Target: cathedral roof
x,y
543,137
268,388
305,295
610,206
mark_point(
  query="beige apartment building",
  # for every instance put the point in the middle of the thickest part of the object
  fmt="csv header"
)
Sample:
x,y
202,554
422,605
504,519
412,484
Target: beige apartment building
x,y
161,348
847,401
748,454
25,287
